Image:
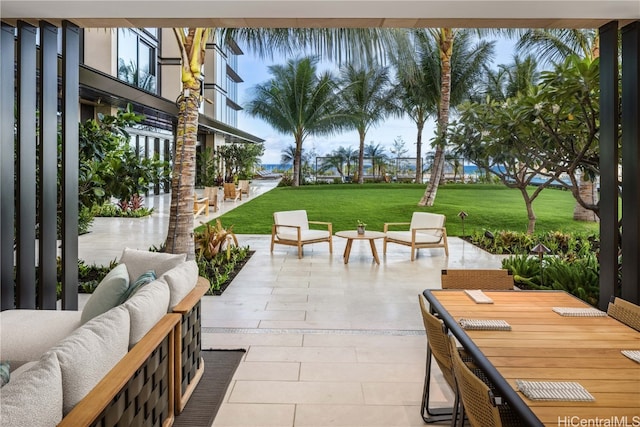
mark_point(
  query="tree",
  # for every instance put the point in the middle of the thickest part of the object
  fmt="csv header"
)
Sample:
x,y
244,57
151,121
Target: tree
x,y
449,73
554,46
495,137
378,158
241,159
298,101
366,99
398,150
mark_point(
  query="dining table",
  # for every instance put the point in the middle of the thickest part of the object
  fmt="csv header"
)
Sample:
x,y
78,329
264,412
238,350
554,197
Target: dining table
x,y
553,338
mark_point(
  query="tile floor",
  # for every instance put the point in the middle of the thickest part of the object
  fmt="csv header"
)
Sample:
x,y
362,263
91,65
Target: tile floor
x,y
328,344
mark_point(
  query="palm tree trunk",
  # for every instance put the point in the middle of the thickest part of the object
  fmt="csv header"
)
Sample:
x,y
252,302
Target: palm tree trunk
x,y
446,47
180,234
419,154
361,158
297,162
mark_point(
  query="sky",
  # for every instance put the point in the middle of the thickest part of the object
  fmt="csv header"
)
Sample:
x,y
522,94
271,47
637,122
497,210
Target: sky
x,y
255,71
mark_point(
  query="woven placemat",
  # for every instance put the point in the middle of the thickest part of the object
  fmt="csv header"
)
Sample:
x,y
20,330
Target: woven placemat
x,y
484,325
579,311
554,390
632,354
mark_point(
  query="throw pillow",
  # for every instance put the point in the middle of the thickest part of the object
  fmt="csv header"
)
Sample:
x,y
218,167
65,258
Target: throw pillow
x,y
181,280
4,373
138,262
108,293
145,278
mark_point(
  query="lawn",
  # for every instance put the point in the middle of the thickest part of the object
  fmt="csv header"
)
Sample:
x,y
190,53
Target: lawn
x,y
489,207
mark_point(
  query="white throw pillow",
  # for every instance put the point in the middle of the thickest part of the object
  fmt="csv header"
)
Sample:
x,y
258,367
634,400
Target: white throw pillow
x,y
146,307
181,280
33,398
90,352
108,294
138,262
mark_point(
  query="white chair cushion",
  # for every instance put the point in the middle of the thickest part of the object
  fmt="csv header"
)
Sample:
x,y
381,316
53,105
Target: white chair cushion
x,y
25,335
421,237
305,235
90,352
139,262
296,218
181,280
146,307
35,397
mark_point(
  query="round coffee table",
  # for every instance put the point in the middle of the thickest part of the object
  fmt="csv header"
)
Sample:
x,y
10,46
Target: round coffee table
x,y
352,235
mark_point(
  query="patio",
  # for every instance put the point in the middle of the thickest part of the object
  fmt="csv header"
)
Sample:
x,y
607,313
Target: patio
x,y
327,343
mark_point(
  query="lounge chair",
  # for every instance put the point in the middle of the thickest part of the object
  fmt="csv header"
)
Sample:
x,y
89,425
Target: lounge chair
x,y
200,206
292,228
426,230
231,192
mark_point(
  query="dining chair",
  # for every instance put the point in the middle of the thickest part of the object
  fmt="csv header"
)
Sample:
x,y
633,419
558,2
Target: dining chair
x,y
438,347
625,312
480,404
485,279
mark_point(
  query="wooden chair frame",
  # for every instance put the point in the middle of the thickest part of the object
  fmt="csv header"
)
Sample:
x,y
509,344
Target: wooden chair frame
x,y
442,243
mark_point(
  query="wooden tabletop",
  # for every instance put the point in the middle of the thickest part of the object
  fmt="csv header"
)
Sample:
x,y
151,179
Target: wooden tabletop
x,y
545,346
353,234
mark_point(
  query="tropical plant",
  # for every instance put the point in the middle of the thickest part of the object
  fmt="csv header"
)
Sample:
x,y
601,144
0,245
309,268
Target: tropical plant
x,y
366,100
207,166
378,158
554,46
213,239
241,159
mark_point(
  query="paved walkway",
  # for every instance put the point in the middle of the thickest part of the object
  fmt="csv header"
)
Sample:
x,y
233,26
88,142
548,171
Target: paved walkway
x,y
328,344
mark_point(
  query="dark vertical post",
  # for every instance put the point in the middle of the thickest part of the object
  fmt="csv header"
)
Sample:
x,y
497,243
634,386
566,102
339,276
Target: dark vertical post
x,y
146,156
48,166
70,115
7,169
168,158
26,173
631,162
609,230
156,154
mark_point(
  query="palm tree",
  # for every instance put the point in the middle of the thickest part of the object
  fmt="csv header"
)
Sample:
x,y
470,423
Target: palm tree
x,y
349,155
554,46
366,98
358,44
298,101
509,80
460,67
416,90
378,157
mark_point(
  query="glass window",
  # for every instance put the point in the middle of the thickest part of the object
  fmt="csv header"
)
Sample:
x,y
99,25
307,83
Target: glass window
x,y
136,59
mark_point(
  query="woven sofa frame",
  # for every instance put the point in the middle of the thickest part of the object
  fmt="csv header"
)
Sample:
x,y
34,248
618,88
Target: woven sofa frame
x,y
138,391
189,363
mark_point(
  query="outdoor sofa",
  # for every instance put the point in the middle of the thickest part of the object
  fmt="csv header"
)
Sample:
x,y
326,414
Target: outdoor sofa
x,y
136,363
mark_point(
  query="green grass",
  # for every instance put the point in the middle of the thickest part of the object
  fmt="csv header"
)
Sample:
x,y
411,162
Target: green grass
x,y
491,207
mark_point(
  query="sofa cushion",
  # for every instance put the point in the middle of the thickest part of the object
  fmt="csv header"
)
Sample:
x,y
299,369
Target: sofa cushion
x,y
34,398
25,335
181,280
138,262
108,294
144,279
90,352
146,307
